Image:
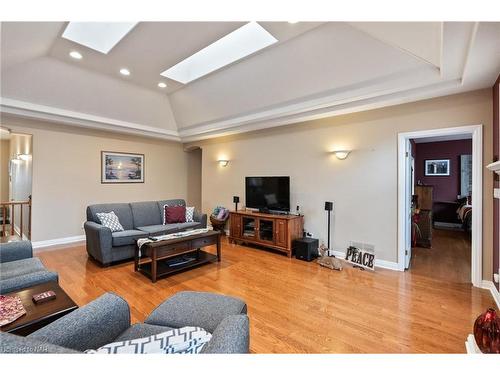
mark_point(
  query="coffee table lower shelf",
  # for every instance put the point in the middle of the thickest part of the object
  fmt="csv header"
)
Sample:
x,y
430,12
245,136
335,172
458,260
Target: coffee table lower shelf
x,y
163,269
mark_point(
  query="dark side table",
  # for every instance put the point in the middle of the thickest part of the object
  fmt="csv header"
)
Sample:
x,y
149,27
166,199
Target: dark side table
x,y
39,315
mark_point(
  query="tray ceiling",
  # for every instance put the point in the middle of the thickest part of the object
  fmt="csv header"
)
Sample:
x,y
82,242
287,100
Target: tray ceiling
x,y
314,70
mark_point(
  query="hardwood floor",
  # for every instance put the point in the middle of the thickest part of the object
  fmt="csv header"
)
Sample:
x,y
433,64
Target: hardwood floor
x,y
300,307
448,259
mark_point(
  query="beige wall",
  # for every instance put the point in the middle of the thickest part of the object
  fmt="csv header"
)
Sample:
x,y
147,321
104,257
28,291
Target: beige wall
x,y
4,170
364,186
194,178
66,174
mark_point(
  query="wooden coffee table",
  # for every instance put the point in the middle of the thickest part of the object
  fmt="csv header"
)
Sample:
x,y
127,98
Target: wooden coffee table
x,y
39,315
155,255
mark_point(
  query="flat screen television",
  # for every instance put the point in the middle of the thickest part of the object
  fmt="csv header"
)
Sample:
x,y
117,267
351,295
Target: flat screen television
x,y
268,193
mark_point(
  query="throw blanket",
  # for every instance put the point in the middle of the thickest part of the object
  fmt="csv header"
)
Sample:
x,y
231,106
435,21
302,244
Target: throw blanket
x,y
143,241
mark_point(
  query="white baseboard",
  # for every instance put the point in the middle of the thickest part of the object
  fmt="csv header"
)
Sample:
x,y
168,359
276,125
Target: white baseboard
x,y
57,242
486,284
378,262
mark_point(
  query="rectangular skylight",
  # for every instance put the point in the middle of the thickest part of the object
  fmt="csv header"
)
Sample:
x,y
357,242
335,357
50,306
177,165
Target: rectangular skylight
x,y
100,36
242,42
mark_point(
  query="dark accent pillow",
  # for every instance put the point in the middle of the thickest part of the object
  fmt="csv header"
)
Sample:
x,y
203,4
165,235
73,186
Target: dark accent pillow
x,y
175,214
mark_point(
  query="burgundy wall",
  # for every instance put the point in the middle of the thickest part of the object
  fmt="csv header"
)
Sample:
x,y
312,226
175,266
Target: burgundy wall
x,y
496,152
446,188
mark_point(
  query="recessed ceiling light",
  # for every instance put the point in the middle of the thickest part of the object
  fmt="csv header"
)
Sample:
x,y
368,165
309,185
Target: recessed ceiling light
x,y
76,55
100,36
124,71
236,45
162,85
293,21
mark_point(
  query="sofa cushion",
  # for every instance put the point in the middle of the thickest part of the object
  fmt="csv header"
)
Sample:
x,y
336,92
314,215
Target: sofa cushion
x,y
175,214
157,230
146,213
20,267
210,309
27,280
170,202
127,237
139,330
122,210
187,226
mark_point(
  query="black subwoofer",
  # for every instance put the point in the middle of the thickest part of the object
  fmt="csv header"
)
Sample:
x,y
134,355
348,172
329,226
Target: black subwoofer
x,y
305,248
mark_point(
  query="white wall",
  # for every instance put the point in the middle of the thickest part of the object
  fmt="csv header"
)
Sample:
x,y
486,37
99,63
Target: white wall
x,y
364,186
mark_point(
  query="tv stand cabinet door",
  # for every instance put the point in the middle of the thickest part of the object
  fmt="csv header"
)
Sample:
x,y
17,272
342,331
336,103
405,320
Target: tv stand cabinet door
x,y
281,232
235,226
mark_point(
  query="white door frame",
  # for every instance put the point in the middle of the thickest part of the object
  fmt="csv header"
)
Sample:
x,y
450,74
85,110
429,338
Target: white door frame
x,y
477,192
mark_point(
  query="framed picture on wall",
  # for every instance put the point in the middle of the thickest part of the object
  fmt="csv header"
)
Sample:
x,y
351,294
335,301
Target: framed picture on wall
x,y
440,167
121,167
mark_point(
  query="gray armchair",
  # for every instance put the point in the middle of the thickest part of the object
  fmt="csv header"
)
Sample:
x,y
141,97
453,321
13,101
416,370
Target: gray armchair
x,y
18,268
107,319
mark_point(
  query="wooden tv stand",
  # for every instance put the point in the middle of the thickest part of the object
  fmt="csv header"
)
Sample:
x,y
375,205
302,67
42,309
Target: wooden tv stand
x,y
270,230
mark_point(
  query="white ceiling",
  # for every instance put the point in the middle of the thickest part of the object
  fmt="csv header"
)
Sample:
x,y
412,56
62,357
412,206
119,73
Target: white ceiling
x,y
152,47
315,70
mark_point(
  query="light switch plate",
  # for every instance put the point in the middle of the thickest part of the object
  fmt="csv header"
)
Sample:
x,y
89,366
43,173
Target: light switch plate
x,y
496,193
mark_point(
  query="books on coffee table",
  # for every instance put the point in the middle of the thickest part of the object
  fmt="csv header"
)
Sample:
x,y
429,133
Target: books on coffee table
x,y
11,309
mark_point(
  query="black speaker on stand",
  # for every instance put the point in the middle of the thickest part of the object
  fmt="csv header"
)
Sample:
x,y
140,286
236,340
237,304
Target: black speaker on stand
x,y
329,208
236,200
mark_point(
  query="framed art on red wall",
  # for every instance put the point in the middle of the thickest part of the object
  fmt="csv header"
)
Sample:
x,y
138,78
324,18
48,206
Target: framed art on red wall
x,y
436,167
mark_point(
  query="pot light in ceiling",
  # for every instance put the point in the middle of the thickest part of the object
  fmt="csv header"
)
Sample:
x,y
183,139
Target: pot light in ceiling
x,y
236,45
100,36
124,72
76,55
162,85
293,22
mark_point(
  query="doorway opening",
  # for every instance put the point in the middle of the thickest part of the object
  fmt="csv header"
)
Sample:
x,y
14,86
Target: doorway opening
x,y
440,203
15,185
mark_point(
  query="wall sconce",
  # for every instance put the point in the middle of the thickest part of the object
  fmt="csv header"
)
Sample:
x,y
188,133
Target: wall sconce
x,y
341,154
223,163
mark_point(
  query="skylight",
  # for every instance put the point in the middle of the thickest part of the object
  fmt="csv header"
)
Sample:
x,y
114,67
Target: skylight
x,y
234,46
100,36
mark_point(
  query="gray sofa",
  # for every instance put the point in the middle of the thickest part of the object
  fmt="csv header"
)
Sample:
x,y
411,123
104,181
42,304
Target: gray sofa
x,y
18,268
139,219
107,319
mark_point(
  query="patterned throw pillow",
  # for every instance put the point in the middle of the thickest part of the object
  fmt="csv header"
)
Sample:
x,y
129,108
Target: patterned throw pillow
x,y
186,340
189,214
110,220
